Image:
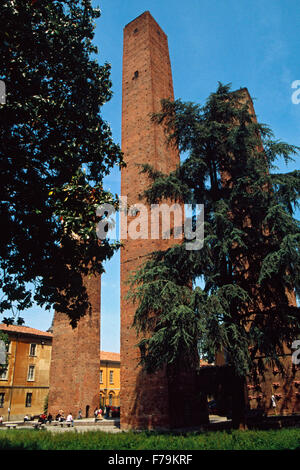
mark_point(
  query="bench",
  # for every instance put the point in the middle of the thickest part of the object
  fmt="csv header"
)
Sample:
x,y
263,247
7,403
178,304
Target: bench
x,y
62,423
39,425
9,426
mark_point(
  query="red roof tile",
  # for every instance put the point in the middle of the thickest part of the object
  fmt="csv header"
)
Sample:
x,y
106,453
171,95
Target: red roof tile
x,y
109,356
104,355
25,330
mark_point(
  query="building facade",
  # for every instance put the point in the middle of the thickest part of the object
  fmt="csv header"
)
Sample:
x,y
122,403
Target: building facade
x,y
109,379
24,383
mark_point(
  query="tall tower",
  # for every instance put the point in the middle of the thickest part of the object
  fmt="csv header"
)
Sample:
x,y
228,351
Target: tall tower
x,y
147,79
75,359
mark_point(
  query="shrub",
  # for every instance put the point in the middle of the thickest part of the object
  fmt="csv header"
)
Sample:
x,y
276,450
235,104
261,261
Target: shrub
x,y
97,440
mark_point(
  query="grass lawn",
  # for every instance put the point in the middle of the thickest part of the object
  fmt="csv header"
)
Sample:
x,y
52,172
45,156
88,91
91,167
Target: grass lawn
x,y
282,439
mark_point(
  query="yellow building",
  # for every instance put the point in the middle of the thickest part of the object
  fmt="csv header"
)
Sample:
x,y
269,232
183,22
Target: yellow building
x,y
24,385
109,379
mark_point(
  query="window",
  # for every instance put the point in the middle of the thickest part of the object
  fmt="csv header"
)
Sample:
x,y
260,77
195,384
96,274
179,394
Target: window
x,y
32,350
102,400
2,395
111,376
30,373
110,396
101,376
4,373
28,400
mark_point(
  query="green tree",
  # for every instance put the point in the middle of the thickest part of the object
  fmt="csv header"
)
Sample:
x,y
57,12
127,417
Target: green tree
x,y
249,265
55,149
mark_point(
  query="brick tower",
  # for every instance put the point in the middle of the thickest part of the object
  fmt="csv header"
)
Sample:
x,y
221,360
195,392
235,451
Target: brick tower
x,y
147,79
75,360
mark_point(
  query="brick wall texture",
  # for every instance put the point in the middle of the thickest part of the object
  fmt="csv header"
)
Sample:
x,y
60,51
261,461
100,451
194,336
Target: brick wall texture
x,y
147,79
75,361
284,384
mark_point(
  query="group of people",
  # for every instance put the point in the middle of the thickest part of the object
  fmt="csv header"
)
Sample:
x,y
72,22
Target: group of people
x,y
107,412
112,412
60,417
43,418
99,414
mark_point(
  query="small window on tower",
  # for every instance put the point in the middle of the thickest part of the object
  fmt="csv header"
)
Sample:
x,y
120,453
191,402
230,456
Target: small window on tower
x,y
135,31
136,74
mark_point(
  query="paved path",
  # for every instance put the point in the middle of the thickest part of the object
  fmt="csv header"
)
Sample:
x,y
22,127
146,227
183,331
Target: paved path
x,y
80,425
89,424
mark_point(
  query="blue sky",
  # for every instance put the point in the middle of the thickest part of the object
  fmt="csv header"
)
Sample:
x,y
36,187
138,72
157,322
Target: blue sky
x,y
249,43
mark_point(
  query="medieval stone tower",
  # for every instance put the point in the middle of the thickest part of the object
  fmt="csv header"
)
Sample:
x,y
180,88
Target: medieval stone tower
x,y
75,360
147,79
147,401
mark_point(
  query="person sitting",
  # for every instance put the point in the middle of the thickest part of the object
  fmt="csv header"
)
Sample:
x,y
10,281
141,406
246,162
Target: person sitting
x,y
61,419
70,420
41,420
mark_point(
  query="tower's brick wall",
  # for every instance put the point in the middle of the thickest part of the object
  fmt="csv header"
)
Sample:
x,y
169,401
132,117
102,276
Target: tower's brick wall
x,y
147,79
285,384
75,361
